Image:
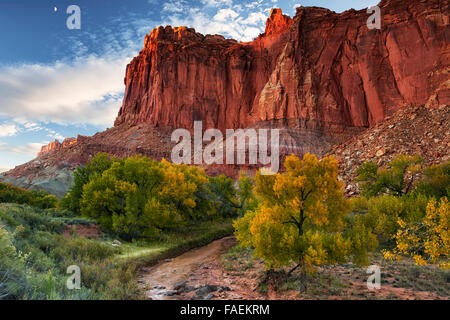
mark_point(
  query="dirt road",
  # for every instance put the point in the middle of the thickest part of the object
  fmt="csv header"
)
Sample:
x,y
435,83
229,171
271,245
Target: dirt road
x,y
161,279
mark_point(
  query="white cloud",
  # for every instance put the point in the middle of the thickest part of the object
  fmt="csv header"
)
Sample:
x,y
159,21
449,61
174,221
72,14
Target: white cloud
x,y
225,14
88,90
30,149
173,7
251,33
233,23
217,3
256,18
32,126
54,135
22,126
254,4
8,130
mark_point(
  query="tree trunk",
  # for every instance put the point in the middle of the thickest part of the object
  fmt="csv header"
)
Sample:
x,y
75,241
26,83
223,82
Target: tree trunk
x,y
295,268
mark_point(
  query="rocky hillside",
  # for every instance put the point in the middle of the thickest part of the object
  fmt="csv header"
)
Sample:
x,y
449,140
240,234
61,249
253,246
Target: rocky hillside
x,y
413,130
52,169
320,77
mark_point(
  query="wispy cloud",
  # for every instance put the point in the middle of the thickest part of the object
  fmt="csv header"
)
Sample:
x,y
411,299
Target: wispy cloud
x,y
217,3
8,130
88,90
14,127
224,17
30,149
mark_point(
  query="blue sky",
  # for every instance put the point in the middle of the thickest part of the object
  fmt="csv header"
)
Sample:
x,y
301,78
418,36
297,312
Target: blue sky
x,y
56,82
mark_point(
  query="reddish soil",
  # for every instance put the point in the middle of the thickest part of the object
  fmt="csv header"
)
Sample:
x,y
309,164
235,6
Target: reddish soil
x,y
88,231
197,273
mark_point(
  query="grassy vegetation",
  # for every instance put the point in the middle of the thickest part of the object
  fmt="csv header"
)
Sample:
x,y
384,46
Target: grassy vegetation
x,y
405,274
160,210
35,255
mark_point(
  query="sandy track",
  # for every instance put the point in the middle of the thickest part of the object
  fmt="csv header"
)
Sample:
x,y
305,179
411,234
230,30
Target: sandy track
x,y
161,278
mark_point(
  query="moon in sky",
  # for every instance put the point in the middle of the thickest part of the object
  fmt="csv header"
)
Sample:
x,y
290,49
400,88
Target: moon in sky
x,y
55,8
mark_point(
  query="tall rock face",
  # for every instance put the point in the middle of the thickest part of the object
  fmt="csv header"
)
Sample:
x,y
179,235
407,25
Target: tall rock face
x,y
320,70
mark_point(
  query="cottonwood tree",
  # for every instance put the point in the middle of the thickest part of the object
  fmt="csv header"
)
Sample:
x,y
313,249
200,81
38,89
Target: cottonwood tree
x,y
301,219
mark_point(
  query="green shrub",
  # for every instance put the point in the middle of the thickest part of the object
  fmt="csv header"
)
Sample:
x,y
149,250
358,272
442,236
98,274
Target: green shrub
x,y
363,240
39,199
399,191
12,269
246,193
381,214
223,196
77,249
31,219
397,178
436,181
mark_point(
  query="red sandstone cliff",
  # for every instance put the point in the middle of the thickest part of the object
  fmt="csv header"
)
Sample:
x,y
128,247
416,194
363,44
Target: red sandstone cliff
x,y
325,68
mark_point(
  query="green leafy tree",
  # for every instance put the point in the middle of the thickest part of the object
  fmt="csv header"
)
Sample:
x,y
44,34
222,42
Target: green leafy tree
x,y
130,198
380,214
362,240
246,193
223,195
436,181
138,197
97,165
397,178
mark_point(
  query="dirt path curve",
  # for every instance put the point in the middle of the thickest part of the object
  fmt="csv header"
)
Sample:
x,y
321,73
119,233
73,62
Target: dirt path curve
x,y
161,278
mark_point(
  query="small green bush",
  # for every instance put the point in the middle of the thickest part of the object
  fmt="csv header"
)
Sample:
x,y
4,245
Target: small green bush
x,y
436,181
74,250
39,199
12,268
397,178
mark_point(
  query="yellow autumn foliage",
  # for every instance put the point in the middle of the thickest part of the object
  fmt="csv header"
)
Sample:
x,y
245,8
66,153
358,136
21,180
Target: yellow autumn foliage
x,y
427,242
301,216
